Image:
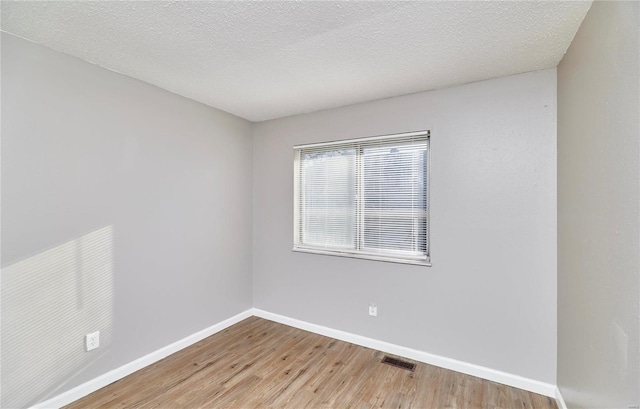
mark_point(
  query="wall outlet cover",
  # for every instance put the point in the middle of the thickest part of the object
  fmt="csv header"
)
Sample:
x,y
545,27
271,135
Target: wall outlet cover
x,y
373,310
92,341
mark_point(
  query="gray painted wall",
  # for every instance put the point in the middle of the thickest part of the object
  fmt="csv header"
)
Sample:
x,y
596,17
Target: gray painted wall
x,y
490,297
125,209
598,208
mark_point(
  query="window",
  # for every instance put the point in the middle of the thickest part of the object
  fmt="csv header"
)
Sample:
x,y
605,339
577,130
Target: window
x,y
366,198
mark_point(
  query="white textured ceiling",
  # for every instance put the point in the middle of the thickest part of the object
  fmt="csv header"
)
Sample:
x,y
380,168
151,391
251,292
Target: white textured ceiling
x,y
263,60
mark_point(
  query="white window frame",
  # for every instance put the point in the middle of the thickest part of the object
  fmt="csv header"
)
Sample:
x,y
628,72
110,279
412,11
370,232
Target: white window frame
x,y
397,256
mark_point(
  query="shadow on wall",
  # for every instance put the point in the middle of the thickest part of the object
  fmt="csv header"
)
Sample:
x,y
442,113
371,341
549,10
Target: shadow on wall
x,y
49,302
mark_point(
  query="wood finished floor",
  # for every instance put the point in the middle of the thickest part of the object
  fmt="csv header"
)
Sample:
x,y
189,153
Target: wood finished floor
x,y
262,364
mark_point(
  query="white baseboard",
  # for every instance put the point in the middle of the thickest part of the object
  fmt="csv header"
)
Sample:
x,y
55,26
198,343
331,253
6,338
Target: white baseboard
x,y
101,381
561,403
505,378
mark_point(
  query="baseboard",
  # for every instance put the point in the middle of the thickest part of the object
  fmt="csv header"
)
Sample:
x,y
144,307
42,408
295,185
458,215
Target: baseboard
x,y
561,403
505,378
101,381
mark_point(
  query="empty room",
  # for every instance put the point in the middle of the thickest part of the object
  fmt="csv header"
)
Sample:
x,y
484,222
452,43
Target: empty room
x,y
320,204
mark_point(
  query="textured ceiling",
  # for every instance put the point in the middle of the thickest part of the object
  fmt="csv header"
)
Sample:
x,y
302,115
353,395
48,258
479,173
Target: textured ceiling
x,y
263,60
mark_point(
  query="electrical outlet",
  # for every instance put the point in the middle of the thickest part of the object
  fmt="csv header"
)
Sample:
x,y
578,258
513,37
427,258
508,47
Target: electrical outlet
x,y
373,310
92,341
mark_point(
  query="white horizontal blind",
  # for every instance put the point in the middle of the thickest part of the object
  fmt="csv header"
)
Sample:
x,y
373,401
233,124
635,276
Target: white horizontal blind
x,y
366,198
327,197
394,204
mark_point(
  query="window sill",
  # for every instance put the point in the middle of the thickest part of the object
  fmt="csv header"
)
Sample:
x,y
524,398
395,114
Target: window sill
x,y
389,259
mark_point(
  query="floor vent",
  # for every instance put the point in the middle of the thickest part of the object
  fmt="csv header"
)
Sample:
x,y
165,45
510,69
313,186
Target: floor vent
x,y
399,363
